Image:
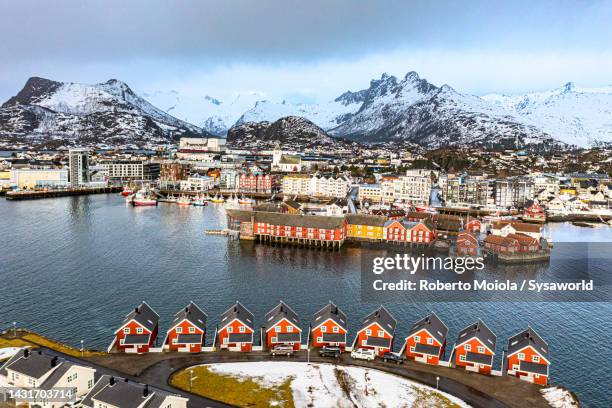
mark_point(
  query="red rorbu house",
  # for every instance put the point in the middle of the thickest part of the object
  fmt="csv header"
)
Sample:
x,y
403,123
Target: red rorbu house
x,y
312,230
257,183
526,243
534,213
473,225
527,357
188,330
467,244
235,330
475,348
282,327
377,332
138,330
329,327
501,245
402,231
426,340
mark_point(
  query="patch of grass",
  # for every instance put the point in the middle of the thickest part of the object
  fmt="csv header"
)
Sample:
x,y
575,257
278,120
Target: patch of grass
x,y
27,338
428,399
242,392
16,342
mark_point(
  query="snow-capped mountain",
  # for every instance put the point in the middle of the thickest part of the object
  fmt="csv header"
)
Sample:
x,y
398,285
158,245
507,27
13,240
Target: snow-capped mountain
x,y
580,116
105,112
415,110
211,114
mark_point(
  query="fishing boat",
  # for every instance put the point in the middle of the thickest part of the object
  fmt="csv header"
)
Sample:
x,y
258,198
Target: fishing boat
x,y
246,201
127,191
199,201
183,201
218,199
233,199
143,200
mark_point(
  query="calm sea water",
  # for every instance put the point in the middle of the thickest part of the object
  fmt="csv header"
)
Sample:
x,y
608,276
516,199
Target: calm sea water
x,y
71,268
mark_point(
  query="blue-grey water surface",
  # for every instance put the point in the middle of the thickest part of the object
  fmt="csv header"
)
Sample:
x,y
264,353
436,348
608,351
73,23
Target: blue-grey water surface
x,y
72,267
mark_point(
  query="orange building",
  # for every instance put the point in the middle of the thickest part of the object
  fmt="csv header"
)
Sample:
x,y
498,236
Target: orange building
x,y
527,357
282,327
138,330
377,332
475,348
236,329
188,330
329,327
426,340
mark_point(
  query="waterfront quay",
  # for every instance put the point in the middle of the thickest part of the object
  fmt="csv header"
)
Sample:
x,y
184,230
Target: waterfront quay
x,y
63,192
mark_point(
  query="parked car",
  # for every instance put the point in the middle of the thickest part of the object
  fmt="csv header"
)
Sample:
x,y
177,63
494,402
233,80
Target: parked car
x,y
363,354
330,351
393,358
280,349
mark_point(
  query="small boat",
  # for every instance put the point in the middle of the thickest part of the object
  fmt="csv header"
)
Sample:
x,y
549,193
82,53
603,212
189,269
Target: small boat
x,y
218,199
199,202
143,200
184,201
246,201
126,192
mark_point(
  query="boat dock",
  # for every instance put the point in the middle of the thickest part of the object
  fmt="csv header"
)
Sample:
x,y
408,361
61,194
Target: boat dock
x,y
64,192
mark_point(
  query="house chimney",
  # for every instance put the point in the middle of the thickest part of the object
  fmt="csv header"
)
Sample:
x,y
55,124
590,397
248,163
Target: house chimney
x,y
111,381
136,310
26,353
54,361
145,392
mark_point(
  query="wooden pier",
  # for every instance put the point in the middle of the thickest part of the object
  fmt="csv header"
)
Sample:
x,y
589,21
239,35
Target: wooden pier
x,y
64,192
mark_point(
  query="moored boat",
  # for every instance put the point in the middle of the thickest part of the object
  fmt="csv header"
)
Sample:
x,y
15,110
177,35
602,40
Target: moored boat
x,y
184,201
143,200
218,199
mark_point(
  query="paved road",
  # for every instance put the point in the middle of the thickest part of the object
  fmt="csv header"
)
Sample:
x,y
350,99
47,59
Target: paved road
x,y
161,371
157,375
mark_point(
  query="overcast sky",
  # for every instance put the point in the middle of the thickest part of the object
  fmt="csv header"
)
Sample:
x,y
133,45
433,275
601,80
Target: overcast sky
x,y
305,50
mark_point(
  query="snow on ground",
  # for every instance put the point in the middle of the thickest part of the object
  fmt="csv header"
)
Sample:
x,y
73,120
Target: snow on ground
x,y
326,385
8,352
559,398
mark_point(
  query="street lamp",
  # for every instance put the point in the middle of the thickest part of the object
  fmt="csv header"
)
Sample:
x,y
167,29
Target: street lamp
x,y
437,382
308,354
14,329
191,378
82,349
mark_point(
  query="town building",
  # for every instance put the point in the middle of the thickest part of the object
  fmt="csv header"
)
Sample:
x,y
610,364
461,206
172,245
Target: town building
x,y
503,228
197,183
370,193
426,340
376,332
415,187
117,392
27,178
329,186
475,348
257,182
365,227
285,162
282,327
527,357
173,171
329,327
132,170
310,230
403,231
138,330
187,331
200,148
78,162
235,329
466,191
498,244
467,244
296,184
513,193
42,371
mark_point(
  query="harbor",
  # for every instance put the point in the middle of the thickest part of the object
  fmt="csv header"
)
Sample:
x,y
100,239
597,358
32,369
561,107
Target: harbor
x,y
126,253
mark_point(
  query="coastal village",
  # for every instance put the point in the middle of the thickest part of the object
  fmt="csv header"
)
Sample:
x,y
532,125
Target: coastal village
x,y
320,199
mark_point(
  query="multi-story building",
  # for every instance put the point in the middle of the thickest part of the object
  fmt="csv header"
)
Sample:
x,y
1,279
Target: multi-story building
x,y
228,179
370,192
132,170
469,191
513,192
200,148
296,184
173,171
30,178
257,183
197,183
78,161
389,188
329,186
415,187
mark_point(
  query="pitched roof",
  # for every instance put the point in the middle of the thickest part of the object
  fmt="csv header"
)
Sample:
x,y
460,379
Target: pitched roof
x,y
466,236
365,219
120,392
518,226
479,330
144,315
382,317
299,220
329,311
193,314
32,364
433,325
280,312
522,238
527,337
499,240
237,311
